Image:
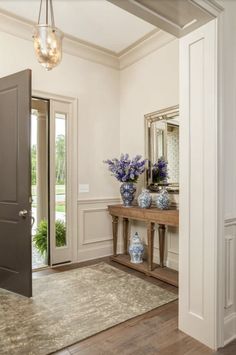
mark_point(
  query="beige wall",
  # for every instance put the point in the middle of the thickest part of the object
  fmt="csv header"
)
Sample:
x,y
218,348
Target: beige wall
x,y
146,86
149,85
97,89
110,121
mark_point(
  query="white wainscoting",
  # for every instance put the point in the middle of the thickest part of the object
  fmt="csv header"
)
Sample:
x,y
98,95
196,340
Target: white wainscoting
x,y
94,228
230,281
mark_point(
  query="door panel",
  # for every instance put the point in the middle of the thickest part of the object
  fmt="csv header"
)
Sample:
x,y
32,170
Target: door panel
x,y
15,182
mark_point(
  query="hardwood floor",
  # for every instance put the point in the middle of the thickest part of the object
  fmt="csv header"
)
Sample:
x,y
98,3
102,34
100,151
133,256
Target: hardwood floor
x,y
153,333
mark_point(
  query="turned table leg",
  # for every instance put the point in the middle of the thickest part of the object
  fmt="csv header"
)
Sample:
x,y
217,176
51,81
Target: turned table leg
x,y
125,234
150,238
115,231
162,232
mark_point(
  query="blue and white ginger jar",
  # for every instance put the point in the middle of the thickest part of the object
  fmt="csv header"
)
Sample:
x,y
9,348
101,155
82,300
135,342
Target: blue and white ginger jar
x,y
145,199
162,199
136,249
127,191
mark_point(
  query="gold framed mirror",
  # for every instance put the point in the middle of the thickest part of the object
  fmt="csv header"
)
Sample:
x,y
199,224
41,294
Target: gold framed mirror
x,y
162,141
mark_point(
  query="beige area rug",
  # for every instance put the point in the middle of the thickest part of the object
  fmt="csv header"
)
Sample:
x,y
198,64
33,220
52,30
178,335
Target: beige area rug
x,y
73,305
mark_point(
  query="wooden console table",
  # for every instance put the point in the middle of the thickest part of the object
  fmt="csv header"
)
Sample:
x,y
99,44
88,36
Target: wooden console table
x,y
150,216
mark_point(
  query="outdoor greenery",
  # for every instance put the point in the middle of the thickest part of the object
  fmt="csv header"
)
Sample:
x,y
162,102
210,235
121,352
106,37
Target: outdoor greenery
x,y
33,164
40,239
60,161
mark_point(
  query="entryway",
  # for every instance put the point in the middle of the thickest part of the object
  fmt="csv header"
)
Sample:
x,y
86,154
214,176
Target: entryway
x,y
50,164
34,147
40,181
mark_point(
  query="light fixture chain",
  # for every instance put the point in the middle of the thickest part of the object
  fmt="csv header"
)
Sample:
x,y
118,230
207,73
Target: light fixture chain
x,y
52,14
46,12
40,10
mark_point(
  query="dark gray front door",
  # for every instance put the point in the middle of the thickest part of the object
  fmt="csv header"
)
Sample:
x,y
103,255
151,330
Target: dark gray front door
x,y
15,183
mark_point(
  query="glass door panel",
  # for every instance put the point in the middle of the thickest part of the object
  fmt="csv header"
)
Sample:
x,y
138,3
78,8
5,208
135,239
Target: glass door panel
x,y
60,185
60,179
39,177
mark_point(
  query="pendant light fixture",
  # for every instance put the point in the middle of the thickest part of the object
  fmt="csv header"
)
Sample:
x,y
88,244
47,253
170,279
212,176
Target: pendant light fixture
x,y
47,39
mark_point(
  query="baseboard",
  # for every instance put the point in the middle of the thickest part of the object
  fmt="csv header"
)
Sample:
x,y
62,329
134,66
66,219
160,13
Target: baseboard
x,y
172,264
96,253
171,261
229,328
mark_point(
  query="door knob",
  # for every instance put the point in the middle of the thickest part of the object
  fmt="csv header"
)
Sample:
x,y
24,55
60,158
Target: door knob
x,y
23,213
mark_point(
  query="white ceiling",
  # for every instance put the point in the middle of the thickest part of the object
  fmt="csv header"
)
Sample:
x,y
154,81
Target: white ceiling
x,y
95,21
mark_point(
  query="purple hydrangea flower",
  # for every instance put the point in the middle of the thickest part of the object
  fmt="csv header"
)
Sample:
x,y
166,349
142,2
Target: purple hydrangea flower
x,y
126,169
160,171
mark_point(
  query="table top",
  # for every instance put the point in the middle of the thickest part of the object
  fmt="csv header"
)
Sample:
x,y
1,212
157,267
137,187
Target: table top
x,y
168,217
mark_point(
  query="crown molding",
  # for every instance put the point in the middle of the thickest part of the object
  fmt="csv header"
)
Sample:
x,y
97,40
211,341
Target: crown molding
x,y
20,28
144,48
213,7
200,11
156,39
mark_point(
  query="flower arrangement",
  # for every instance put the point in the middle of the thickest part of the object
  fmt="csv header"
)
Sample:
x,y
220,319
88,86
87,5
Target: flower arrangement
x,y
126,169
160,171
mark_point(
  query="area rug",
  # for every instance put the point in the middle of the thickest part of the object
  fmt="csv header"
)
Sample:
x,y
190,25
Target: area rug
x,y
73,305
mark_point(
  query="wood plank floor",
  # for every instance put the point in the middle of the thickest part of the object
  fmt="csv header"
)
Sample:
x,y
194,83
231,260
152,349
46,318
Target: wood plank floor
x,y
153,333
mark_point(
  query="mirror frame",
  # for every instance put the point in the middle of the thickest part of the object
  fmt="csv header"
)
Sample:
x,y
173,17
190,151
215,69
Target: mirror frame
x,y
164,114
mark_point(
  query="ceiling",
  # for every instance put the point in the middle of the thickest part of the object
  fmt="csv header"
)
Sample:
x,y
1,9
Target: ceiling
x,y
98,22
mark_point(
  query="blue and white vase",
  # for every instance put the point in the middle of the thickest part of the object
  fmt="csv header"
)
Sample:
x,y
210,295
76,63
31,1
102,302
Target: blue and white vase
x,y
162,199
127,191
145,199
136,249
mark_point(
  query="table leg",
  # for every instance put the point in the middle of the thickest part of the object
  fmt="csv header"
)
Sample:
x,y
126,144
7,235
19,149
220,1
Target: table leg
x,y
150,238
115,231
125,234
162,232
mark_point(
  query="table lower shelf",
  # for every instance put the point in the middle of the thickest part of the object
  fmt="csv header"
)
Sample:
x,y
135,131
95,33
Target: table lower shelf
x,y
165,274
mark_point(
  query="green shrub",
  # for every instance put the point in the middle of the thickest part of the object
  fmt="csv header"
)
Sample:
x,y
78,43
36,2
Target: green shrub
x,y
40,239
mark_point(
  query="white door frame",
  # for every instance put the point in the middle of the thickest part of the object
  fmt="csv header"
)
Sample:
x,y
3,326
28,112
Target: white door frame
x,y
72,156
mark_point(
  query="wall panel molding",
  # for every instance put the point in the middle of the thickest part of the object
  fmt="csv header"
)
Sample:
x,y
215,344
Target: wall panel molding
x,y
229,279
229,271
87,219
229,328
95,228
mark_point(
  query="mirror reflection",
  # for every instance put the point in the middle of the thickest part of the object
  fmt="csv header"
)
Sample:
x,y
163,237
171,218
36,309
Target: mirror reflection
x,y
162,146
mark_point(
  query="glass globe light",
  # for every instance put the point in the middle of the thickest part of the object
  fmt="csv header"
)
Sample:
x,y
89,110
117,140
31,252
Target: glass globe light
x,y
47,38
48,45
